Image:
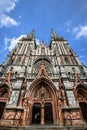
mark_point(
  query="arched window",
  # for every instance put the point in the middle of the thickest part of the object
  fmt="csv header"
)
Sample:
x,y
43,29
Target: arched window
x,y
37,65
67,61
81,95
4,94
18,60
42,50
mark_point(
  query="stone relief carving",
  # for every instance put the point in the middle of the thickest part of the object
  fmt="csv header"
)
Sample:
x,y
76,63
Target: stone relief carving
x,y
36,66
42,92
22,94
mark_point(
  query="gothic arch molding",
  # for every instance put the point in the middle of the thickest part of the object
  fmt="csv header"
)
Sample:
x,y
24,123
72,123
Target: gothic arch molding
x,y
47,94
5,88
4,95
42,57
81,96
51,88
80,87
37,63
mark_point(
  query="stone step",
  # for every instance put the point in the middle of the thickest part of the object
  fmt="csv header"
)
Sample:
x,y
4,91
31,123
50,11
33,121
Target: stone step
x,y
38,127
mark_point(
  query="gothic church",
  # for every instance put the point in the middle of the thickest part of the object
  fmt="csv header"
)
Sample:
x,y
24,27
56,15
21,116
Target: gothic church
x,y
42,84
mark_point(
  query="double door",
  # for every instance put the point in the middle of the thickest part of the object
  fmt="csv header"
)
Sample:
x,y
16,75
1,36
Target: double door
x,y
42,114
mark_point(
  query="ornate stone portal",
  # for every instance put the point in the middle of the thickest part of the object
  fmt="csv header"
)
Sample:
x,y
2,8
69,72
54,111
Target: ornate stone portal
x,y
42,84
42,95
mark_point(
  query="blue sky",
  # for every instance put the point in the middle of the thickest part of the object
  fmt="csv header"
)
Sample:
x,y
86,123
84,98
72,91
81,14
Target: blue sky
x,y
67,17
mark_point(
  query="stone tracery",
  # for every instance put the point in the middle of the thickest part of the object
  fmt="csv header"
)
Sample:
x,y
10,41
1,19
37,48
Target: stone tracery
x,y
42,92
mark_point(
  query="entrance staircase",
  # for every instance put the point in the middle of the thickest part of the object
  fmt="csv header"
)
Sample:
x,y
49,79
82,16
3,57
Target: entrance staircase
x,y
39,127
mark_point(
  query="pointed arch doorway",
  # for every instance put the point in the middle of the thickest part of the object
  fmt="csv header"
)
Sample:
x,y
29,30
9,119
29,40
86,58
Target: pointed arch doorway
x,y
81,95
37,116
43,107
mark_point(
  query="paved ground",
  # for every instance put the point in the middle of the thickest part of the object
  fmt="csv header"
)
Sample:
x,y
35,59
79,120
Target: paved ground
x,y
38,127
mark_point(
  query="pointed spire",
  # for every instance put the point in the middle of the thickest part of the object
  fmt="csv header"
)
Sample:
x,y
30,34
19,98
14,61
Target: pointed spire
x,y
32,34
42,71
29,36
55,36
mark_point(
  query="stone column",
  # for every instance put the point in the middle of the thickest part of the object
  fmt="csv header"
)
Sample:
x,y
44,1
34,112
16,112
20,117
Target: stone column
x,y
42,114
61,116
25,112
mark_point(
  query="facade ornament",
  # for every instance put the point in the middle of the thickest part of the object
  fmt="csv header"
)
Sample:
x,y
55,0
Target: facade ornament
x,y
61,115
42,90
62,89
8,76
23,90
43,71
24,119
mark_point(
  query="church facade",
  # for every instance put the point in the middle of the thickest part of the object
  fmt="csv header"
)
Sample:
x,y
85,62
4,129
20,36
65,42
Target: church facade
x,y
42,84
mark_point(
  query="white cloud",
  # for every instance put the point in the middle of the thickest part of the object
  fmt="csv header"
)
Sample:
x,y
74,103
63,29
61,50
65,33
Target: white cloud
x,y
80,31
10,43
38,41
6,6
7,21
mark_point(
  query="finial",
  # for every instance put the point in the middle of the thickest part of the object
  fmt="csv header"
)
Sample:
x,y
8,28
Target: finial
x,y
31,35
53,34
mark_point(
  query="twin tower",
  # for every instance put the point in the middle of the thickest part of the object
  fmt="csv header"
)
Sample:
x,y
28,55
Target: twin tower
x,y
42,84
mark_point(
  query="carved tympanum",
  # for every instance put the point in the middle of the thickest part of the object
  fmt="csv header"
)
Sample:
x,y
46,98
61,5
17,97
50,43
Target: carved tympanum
x,y
42,92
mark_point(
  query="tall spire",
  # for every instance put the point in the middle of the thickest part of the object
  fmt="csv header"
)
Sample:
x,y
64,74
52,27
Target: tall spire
x,y
30,36
55,36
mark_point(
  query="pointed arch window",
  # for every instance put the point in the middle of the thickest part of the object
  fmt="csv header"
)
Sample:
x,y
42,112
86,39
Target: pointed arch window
x,y
67,61
42,50
81,95
4,92
18,60
37,65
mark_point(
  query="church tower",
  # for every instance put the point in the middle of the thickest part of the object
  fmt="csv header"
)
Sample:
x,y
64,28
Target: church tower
x,y
42,84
